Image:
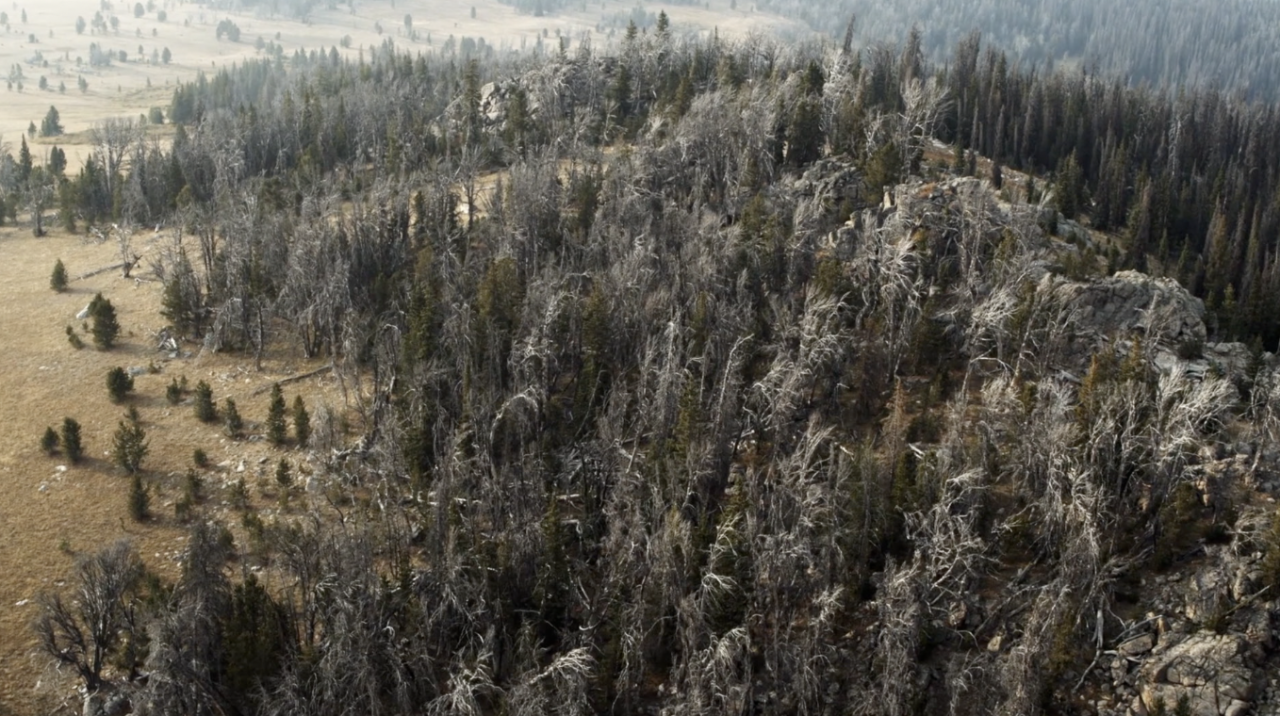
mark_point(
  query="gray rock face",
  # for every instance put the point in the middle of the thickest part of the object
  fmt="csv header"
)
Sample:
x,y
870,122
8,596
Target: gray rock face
x,y
1210,671
1130,303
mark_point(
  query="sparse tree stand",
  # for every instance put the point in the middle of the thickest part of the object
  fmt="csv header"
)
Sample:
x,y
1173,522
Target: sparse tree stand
x,y
277,428
129,446
71,444
58,279
105,326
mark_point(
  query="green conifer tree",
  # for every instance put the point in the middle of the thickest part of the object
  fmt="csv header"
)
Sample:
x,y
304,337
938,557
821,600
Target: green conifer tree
x,y
105,326
277,428
129,446
58,279
119,383
301,422
71,444
231,418
49,441
205,410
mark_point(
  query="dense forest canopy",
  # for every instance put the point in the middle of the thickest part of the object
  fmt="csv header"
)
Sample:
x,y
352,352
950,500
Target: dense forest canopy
x,y
1163,43
700,377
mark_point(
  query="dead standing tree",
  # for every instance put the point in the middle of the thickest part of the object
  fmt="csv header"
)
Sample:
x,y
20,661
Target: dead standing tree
x,y
86,631
112,139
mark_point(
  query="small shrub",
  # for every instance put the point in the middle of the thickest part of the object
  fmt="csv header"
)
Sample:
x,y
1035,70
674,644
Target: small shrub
x,y
49,442
1191,349
71,444
1271,556
58,279
183,510
173,393
193,487
74,339
205,409
231,418
257,531
119,383
139,500
239,495
133,415
199,457
284,477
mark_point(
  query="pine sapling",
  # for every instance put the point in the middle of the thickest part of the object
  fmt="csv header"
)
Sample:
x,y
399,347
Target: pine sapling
x,y
301,422
277,428
71,444
205,409
58,279
231,417
49,442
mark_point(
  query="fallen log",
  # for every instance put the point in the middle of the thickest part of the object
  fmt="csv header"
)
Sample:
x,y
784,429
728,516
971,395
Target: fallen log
x,y
95,272
295,378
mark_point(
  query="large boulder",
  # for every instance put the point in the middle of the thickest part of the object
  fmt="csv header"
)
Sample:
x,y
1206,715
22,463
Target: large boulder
x,y
1209,671
1128,304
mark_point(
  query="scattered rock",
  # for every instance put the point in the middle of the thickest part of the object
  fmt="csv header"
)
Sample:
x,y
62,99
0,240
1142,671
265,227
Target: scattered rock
x,y
1138,645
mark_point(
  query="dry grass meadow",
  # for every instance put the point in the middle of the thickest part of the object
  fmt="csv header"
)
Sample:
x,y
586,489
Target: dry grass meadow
x,y
51,511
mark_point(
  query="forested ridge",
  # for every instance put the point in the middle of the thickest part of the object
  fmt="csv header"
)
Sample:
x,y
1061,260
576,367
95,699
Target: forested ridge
x,y
1228,45
710,377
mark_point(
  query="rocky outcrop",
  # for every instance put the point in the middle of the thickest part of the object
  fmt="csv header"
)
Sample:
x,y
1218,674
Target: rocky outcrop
x,y
1208,672
829,178
1128,304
